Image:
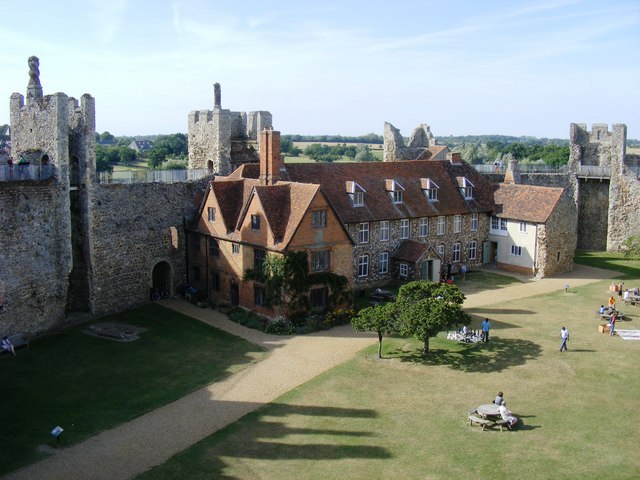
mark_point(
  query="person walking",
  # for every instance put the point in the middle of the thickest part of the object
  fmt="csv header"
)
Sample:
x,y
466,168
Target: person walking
x,y
564,335
612,324
486,326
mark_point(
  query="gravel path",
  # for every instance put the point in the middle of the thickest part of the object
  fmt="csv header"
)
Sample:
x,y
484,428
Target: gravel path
x,y
132,448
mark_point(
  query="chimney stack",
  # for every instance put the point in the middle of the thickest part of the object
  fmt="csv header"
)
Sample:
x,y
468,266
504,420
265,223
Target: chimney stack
x,y
454,157
512,175
270,159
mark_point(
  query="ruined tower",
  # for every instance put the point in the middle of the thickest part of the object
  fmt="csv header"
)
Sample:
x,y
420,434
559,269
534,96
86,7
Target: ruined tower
x,y
220,140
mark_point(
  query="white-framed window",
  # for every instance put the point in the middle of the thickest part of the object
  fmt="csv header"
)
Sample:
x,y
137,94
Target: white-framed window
x,y
396,191
383,262
404,228
473,250
363,265
320,260
423,227
456,252
474,222
319,218
211,213
440,250
430,189
384,230
498,225
457,223
358,198
363,232
441,225
397,196
516,251
466,188
235,248
404,270
523,227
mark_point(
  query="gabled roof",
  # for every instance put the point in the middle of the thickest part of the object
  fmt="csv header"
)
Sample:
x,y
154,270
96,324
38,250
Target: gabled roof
x,y
231,197
284,205
412,251
371,177
528,203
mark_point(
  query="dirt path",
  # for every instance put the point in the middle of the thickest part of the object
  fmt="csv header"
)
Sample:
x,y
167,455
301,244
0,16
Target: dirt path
x,y
132,448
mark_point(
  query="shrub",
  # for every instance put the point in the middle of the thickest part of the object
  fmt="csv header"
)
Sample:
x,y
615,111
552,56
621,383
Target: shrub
x,y
279,326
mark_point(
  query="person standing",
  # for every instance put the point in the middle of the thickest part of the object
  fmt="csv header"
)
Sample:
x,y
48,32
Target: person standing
x,y
564,335
486,326
612,324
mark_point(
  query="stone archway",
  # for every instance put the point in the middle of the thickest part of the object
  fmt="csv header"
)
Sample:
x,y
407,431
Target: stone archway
x,y
161,279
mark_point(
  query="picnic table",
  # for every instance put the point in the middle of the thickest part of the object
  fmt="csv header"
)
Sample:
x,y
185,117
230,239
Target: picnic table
x,y
383,295
488,410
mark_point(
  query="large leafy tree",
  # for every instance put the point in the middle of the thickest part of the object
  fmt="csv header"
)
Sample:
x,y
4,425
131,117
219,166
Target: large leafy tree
x,y
379,319
424,309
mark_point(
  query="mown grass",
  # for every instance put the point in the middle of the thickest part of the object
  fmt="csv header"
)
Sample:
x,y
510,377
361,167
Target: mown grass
x,y
405,416
88,384
616,262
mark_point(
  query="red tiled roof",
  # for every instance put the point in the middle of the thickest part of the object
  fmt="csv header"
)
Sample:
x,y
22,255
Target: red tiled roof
x,y
377,203
528,203
230,195
412,251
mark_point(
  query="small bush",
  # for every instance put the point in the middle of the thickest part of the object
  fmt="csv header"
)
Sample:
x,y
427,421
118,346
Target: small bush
x,y
279,326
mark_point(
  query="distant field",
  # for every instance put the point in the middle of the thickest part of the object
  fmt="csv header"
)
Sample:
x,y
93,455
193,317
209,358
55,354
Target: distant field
x,y
633,150
372,146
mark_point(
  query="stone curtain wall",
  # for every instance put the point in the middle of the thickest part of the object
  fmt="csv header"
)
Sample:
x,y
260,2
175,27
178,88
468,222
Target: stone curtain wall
x,y
36,255
131,232
593,219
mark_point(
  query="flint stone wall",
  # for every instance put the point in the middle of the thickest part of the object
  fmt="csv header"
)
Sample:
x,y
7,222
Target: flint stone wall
x,y
36,256
131,231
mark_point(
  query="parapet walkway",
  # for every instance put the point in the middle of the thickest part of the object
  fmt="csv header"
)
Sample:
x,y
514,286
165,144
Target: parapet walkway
x,y
134,447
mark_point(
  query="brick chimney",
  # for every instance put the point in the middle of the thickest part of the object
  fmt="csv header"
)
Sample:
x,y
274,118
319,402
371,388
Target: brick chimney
x,y
270,160
454,157
512,175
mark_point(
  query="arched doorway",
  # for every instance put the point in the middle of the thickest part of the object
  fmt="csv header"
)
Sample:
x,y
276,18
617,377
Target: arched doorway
x,y
210,165
161,280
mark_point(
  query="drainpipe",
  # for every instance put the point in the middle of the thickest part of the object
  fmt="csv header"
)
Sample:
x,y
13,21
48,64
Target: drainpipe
x,y
535,254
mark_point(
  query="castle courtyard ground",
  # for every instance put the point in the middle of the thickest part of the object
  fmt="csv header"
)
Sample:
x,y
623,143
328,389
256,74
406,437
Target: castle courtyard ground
x,y
134,447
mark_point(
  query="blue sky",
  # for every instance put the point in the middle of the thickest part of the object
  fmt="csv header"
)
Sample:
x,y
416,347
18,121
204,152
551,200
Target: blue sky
x,y
463,67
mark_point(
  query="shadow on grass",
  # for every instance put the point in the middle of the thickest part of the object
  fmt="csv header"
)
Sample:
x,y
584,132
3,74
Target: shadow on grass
x,y
274,433
506,311
495,356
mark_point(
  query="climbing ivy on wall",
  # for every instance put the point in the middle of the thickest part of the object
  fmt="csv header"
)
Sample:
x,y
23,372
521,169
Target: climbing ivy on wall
x,y
287,282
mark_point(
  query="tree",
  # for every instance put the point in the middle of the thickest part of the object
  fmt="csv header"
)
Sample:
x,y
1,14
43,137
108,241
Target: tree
x,y
379,319
364,154
157,155
106,137
632,247
425,308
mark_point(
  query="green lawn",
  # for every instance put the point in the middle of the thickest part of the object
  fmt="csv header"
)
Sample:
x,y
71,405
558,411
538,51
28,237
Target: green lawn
x,y
87,384
610,261
405,416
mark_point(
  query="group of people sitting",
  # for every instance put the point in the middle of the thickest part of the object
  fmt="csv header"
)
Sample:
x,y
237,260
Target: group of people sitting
x,y
505,413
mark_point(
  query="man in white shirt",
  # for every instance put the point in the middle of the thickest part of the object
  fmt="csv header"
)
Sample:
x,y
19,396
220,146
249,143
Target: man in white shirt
x,y
506,415
564,335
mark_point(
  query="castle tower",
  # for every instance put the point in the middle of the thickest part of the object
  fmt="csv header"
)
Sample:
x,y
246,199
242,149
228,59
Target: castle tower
x,y
220,140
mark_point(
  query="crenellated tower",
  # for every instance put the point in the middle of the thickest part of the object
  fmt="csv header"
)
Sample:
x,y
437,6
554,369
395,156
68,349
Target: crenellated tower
x,y
220,140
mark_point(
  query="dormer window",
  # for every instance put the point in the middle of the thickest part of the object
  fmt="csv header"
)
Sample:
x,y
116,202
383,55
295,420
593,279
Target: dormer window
x,y
430,189
396,191
356,193
466,188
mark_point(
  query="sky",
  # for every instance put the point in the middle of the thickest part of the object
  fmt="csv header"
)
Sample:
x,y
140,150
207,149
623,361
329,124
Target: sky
x,y
335,67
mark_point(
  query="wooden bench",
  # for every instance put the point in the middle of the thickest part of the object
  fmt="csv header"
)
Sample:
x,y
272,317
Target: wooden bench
x,y
480,421
503,423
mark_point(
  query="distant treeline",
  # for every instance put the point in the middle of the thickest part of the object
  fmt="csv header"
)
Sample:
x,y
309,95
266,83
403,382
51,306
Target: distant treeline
x,y
368,138
453,141
496,151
